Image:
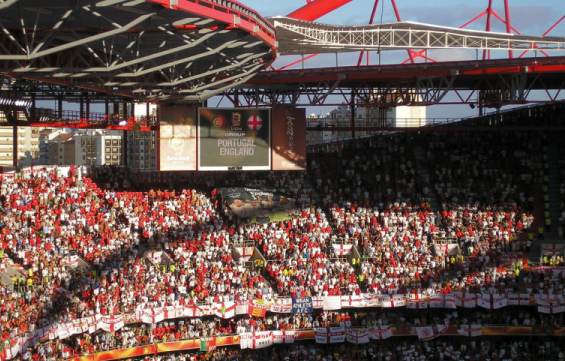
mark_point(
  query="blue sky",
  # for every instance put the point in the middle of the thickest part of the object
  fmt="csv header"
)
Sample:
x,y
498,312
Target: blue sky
x,y
529,17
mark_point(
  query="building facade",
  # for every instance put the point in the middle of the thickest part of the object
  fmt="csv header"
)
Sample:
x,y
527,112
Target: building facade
x,y
27,146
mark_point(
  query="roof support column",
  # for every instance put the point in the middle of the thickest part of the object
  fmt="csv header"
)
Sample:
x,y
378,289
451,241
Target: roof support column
x,y
353,113
87,108
15,146
125,148
33,109
60,107
81,108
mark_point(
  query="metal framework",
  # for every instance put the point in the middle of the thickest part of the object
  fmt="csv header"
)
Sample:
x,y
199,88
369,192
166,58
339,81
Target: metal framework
x,y
483,83
298,37
106,51
145,49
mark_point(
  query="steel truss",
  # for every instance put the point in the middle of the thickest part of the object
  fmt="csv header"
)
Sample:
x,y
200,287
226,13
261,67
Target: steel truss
x,y
492,83
148,49
297,37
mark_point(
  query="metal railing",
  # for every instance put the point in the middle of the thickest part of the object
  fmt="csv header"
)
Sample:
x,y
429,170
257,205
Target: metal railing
x,y
372,123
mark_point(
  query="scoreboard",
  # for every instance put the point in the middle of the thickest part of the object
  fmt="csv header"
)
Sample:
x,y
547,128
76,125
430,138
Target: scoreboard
x,y
222,139
234,139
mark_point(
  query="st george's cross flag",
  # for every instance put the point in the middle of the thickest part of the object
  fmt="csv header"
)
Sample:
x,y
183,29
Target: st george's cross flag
x,y
224,309
254,122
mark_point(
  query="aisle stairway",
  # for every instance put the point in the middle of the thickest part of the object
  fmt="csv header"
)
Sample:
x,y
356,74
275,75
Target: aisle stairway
x,y
425,178
552,203
546,228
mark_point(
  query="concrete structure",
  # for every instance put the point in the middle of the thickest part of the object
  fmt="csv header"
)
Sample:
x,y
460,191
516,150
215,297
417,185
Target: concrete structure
x,y
28,146
90,147
142,150
61,149
95,148
378,117
142,146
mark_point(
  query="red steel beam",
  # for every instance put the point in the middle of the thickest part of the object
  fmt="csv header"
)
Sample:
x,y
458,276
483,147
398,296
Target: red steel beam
x,y
483,13
407,72
316,9
298,61
487,26
224,14
549,30
371,20
508,23
501,19
554,25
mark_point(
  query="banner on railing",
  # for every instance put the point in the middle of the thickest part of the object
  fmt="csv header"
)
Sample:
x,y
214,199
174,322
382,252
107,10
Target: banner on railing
x,y
473,330
302,305
331,303
282,305
268,338
546,303
417,301
428,333
357,336
258,308
327,335
283,337
442,301
110,323
224,310
255,340
492,302
380,333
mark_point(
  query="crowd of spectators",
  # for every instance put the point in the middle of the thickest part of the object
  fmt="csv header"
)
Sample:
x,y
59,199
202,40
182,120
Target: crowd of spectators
x,y
424,212
430,211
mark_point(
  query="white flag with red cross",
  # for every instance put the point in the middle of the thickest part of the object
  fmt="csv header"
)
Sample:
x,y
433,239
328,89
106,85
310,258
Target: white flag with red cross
x,y
427,333
255,340
357,336
473,330
326,335
225,309
380,333
492,302
518,299
416,301
353,301
254,122
341,249
332,303
110,323
283,337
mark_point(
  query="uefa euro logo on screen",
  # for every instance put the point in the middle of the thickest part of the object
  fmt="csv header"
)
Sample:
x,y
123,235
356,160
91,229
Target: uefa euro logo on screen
x,y
219,121
254,122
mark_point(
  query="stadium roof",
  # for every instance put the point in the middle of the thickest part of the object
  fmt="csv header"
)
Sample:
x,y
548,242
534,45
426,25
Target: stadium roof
x,y
300,37
150,49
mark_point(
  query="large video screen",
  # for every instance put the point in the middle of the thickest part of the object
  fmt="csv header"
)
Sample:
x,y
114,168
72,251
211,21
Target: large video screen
x,y
234,139
177,138
289,138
